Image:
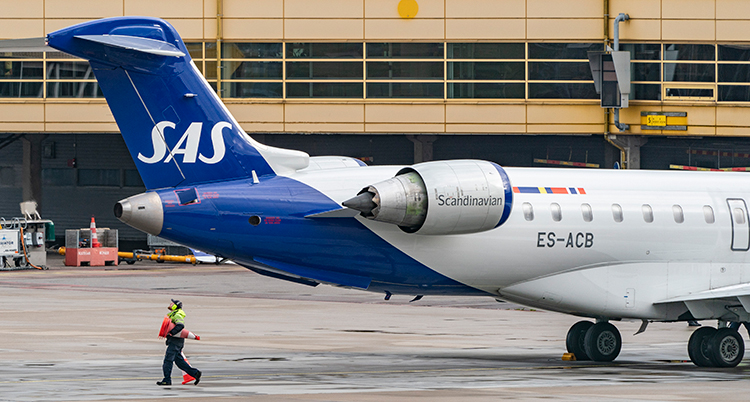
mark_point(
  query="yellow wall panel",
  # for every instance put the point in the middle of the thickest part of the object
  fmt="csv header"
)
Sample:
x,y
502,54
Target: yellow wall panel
x,y
635,9
78,113
404,113
325,113
260,29
209,28
404,128
22,112
89,9
564,9
324,127
249,9
312,29
565,128
262,127
188,28
398,29
257,113
21,127
82,127
165,8
485,128
732,9
485,114
471,29
732,30
51,25
696,116
209,7
701,9
323,9
721,131
682,30
22,9
697,130
485,9
566,29
638,29
19,29
389,9
568,114
731,116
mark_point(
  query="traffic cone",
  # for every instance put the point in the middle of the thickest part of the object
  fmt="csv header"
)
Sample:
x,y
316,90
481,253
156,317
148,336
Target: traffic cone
x,y
94,239
186,378
167,326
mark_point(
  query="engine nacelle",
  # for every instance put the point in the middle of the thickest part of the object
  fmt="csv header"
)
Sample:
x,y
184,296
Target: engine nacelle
x,y
438,198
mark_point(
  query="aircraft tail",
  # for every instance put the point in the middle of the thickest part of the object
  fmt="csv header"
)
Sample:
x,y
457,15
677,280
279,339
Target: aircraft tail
x,y
175,126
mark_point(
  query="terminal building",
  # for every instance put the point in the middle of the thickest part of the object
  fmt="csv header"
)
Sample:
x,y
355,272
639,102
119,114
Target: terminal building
x,y
391,82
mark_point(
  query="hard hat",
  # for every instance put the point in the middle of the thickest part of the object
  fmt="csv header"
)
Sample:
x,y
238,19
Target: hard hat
x,y
177,303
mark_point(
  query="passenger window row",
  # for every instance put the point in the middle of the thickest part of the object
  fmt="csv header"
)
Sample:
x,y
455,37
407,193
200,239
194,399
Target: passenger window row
x,y
617,215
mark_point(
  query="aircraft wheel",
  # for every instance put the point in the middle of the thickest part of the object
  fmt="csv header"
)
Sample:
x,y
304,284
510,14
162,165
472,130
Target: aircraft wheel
x,y
603,342
574,340
698,346
726,348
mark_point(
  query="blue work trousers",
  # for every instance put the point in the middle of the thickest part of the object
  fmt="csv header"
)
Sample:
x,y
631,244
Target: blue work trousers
x,y
174,354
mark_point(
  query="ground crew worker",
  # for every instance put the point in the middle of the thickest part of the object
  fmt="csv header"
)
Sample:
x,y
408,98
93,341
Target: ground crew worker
x,y
174,346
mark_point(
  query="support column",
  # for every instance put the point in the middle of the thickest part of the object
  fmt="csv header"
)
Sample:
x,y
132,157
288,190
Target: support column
x,y
632,145
422,147
32,168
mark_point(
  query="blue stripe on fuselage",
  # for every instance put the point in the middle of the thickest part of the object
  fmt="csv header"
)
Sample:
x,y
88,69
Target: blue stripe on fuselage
x,y
220,224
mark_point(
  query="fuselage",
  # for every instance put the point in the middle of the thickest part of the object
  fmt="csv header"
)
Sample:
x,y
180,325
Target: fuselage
x,y
596,243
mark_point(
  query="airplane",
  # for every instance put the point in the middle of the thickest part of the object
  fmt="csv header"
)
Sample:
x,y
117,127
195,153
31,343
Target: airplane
x,y
605,245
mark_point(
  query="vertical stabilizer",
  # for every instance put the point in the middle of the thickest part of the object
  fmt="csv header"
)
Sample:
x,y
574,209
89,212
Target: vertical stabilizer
x,y
177,129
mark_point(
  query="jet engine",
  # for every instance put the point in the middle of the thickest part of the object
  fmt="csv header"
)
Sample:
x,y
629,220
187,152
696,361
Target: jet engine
x,y
439,198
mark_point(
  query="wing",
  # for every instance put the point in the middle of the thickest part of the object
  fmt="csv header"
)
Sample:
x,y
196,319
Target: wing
x,y
723,302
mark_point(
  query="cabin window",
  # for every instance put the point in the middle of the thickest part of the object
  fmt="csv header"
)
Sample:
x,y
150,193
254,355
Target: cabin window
x,y
528,211
617,212
588,214
739,216
648,213
556,211
677,212
708,214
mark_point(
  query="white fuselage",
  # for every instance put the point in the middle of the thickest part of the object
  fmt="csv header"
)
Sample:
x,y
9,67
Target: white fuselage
x,y
588,263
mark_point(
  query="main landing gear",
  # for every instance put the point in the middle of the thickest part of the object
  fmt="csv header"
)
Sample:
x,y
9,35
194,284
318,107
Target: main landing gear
x,y
711,347
600,342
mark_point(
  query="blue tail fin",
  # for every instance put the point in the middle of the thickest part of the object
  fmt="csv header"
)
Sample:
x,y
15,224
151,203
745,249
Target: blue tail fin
x,y
177,129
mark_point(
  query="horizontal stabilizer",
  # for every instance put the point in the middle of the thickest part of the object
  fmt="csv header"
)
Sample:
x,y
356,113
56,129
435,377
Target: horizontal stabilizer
x,y
138,44
25,45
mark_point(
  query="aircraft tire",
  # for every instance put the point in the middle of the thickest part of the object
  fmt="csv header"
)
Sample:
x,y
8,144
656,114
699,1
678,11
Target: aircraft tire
x,y
698,346
726,348
603,342
574,340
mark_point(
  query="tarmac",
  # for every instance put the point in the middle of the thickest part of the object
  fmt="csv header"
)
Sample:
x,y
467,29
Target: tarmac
x,y
90,334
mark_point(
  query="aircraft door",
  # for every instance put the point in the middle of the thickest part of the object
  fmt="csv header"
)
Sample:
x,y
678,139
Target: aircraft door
x,y
740,225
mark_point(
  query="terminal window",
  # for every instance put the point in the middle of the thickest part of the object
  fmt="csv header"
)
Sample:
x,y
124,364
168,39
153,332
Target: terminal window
x,y
415,70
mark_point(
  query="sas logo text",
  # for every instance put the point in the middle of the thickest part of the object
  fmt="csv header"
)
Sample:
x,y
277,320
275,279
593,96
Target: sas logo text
x,y
188,144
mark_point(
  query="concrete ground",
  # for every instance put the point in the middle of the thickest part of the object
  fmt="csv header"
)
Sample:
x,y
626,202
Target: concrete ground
x,y
90,334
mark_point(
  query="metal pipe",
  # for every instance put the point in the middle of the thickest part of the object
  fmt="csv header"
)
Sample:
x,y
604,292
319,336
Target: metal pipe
x,y
620,126
219,39
620,17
